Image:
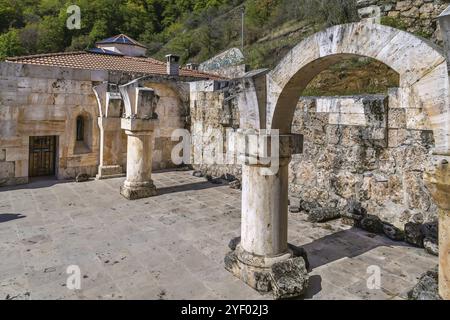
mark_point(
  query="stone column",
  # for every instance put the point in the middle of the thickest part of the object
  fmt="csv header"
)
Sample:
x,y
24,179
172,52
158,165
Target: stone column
x,y
138,183
110,148
438,182
264,210
109,103
139,123
264,228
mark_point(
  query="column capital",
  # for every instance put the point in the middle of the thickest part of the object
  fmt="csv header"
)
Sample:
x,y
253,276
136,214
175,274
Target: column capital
x,y
109,123
437,179
136,125
262,147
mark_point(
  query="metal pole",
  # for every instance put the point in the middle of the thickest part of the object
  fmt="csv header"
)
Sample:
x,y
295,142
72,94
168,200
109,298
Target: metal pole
x,y
242,29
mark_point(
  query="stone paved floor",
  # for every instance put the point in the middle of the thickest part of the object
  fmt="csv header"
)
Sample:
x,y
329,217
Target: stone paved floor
x,y
171,246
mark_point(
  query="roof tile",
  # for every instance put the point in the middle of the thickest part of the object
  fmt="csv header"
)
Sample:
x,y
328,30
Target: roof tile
x,y
98,61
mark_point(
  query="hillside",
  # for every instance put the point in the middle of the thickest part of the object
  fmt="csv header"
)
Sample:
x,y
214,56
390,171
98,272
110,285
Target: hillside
x,y
198,29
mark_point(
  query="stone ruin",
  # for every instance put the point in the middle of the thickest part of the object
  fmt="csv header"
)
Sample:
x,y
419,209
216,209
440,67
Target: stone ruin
x,y
379,161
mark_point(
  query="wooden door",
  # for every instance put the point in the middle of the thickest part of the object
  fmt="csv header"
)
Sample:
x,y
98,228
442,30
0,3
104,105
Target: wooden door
x,y
42,156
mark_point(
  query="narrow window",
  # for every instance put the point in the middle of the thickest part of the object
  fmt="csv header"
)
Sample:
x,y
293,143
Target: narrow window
x,y
80,128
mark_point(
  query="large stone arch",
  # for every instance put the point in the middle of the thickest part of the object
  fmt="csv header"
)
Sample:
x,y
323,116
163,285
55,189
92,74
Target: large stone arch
x,y
424,84
421,66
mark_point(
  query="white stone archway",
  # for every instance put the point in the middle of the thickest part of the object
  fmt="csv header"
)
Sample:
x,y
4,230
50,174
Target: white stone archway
x,y
421,66
424,84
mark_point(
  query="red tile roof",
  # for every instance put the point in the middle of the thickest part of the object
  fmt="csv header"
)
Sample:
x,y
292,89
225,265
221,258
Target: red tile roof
x,y
95,61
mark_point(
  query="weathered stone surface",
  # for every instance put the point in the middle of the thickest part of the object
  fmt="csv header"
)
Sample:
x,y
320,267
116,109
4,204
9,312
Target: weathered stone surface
x,y
234,242
236,184
372,224
323,214
197,173
147,233
431,246
416,16
138,193
294,209
257,278
300,252
289,278
427,288
413,234
82,177
46,101
392,232
430,230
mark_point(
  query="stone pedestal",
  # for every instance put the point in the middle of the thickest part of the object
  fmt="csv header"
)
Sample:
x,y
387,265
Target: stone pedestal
x,y
110,148
138,183
438,182
263,247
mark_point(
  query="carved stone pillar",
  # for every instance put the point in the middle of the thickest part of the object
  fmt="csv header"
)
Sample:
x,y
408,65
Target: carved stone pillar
x,y
138,183
438,182
139,124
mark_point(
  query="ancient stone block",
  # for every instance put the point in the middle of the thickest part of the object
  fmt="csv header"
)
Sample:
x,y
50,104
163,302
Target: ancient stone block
x,y
289,278
397,118
372,224
323,214
392,232
427,288
413,234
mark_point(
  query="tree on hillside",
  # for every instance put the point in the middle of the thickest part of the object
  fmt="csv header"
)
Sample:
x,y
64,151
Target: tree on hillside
x,y
10,44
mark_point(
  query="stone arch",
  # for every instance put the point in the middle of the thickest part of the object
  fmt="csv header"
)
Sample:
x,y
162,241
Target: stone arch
x,y
421,66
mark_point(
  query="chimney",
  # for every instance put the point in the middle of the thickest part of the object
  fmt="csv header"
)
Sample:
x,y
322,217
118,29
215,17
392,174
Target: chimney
x,y
192,66
173,64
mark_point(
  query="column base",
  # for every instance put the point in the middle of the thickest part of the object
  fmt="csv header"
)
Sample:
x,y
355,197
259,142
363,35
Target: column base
x,y
286,275
138,192
109,172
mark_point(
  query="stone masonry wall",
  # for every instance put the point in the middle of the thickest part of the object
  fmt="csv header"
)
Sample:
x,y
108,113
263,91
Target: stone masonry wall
x,y
45,101
211,114
371,149
415,16
39,101
363,149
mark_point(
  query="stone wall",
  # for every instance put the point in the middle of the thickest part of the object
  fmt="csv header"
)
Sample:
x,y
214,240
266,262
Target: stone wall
x,y
173,113
45,101
363,149
415,16
212,115
371,149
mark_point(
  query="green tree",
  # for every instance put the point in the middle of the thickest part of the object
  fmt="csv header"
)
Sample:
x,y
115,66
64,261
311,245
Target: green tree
x,y
10,44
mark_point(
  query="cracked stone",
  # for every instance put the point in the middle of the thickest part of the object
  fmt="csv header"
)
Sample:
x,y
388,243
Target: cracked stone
x,y
393,233
82,177
413,234
289,278
323,214
427,288
431,246
372,224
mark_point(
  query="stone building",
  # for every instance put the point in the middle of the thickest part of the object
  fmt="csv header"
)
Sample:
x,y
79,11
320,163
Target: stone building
x,y
389,153
416,16
60,112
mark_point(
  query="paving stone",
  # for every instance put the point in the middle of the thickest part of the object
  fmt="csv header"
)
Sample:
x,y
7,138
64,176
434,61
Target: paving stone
x,y
182,235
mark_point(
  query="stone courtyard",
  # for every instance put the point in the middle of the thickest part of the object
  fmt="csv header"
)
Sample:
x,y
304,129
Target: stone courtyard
x,y
172,246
